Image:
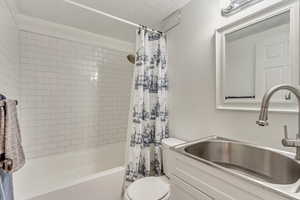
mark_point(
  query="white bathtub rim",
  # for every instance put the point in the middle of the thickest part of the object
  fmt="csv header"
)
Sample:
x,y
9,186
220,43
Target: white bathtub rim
x,y
78,181
43,175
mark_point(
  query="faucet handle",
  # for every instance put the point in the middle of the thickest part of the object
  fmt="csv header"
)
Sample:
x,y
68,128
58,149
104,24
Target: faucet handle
x,y
288,96
287,142
286,136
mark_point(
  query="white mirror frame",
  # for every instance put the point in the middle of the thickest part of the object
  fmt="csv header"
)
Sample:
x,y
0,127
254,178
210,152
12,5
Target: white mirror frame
x,y
254,105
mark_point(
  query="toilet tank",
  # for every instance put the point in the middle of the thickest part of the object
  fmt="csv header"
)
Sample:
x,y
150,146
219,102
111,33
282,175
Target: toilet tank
x,y
167,154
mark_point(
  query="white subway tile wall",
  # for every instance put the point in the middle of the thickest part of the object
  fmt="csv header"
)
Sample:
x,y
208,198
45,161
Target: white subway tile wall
x,y
73,96
9,53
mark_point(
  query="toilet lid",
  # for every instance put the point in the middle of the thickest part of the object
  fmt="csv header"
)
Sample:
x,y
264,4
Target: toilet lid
x,y
149,188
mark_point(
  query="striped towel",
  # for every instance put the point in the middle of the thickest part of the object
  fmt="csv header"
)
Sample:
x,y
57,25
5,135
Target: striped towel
x,y
11,149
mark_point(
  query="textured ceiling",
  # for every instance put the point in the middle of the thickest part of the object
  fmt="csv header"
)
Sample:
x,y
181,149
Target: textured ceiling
x,y
147,12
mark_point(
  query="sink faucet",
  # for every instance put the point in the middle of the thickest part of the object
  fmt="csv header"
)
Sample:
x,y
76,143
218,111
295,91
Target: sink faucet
x,y
263,116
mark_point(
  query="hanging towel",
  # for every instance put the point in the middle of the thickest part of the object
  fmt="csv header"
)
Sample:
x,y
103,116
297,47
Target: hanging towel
x,y
6,186
11,149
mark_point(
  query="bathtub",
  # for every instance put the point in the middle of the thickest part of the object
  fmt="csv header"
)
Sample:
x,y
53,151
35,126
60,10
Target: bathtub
x,y
95,174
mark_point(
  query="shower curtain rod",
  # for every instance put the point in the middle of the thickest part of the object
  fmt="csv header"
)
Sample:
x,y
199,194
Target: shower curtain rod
x,y
108,15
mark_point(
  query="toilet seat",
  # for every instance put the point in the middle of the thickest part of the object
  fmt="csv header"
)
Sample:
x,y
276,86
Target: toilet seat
x,y
164,198
149,188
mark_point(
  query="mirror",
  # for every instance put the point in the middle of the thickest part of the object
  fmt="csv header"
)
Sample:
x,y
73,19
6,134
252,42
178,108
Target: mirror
x,y
257,58
254,57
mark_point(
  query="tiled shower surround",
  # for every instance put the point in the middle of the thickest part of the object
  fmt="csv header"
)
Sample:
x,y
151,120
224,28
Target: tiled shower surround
x,y
73,96
9,57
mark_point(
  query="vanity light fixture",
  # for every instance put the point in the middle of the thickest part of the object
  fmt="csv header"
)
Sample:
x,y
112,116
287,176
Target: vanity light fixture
x,y
237,5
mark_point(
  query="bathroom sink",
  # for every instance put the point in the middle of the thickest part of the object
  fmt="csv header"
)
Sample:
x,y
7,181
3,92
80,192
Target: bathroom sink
x,y
249,160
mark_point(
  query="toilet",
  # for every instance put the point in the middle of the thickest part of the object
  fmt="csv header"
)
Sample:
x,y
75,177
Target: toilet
x,y
154,188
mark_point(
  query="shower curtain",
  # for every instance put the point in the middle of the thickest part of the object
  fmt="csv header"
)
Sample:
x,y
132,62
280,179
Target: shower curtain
x,y
149,114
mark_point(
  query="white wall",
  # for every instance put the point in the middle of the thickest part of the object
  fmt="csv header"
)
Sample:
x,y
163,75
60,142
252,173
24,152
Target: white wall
x,y
9,53
192,85
73,95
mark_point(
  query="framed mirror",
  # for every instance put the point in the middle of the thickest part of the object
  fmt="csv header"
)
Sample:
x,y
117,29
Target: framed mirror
x,y
255,55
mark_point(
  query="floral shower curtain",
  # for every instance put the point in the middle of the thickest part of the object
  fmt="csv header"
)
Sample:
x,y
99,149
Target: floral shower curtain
x,y
149,111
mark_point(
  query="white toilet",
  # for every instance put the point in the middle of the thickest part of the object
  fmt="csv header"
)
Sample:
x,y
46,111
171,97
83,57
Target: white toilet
x,y
154,188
